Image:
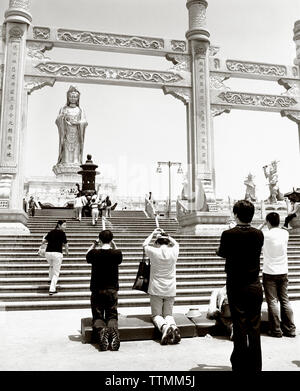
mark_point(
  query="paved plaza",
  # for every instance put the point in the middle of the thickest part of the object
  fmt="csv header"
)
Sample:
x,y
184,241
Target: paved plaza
x,y
51,341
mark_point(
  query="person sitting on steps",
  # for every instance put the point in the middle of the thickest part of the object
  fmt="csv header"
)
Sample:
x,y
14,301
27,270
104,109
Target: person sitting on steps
x,y
293,213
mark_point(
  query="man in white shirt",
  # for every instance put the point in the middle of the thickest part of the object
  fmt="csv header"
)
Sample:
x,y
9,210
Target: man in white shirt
x,y
162,284
275,278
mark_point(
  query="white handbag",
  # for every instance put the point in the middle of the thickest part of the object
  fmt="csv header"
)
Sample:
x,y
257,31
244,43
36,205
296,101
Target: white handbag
x,y
42,249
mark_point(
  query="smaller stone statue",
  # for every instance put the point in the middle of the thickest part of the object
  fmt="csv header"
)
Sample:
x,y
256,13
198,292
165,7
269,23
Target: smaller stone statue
x,y
184,191
250,188
270,172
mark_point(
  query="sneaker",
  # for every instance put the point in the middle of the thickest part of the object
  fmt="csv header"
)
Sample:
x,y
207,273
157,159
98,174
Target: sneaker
x,y
176,337
51,293
275,335
104,339
166,335
289,335
115,339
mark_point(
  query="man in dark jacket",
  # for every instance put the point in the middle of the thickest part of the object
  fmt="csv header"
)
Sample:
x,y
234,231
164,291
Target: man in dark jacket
x,y
241,246
104,288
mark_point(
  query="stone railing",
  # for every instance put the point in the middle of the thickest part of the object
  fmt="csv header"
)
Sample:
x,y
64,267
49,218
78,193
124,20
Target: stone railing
x,y
181,208
149,208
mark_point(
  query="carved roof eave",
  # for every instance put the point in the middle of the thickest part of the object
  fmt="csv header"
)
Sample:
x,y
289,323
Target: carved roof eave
x,y
103,41
97,74
252,101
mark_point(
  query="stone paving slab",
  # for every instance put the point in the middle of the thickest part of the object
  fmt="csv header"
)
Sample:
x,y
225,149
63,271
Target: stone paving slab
x,y
51,341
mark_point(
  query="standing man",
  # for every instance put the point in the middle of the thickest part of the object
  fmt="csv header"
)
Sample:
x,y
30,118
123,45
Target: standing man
x,y
55,239
275,278
31,206
104,288
241,246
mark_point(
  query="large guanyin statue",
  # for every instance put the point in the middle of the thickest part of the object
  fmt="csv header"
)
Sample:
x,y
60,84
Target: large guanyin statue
x,y
71,123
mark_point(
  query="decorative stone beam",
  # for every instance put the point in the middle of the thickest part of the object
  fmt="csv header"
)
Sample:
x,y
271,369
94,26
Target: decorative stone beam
x,y
81,73
252,70
250,101
90,40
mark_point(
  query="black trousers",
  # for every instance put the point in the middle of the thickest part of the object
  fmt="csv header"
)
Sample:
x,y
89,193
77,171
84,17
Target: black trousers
x,y
104,305
288,219
245,307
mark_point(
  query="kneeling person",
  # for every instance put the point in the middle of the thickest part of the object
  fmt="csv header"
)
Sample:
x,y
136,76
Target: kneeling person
x,y
104,288
162,285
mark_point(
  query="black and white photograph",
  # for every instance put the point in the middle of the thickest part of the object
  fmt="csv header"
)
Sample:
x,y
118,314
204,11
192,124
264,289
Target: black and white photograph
x,y
150,190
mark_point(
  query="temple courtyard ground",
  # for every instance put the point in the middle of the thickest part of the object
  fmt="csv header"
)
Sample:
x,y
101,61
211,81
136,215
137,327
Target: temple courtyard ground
x,y
51,341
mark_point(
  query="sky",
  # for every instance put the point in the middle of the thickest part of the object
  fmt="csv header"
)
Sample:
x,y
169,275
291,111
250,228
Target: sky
x,y
130,129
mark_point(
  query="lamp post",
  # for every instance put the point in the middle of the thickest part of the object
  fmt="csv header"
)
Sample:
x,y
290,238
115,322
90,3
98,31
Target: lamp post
x,y
179,171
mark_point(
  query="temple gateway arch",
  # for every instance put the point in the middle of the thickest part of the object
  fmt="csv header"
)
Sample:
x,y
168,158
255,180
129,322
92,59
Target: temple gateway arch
x,y
197,80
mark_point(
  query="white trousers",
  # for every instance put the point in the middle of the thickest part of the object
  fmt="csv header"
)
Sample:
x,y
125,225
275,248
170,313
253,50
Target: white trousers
x,y
78,212
95,215
162,311
55,260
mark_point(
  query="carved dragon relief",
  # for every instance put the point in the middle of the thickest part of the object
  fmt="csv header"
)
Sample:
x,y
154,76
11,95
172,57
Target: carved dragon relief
x,y
292,115
36,50
181,93
178,46
239,98
41,33
107,73
114,40
256,68
33,83
292,87
216,81
182,62
219,109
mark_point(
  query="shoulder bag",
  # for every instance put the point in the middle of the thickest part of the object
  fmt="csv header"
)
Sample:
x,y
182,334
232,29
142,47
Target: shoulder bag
x,y
141,282
42,249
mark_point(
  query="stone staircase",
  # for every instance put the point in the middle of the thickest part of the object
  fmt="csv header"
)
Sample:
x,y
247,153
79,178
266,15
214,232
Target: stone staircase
x,y
24,275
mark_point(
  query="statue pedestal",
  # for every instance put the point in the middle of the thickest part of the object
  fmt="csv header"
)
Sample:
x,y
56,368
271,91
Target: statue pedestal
x,y
203,223
13,222
67,172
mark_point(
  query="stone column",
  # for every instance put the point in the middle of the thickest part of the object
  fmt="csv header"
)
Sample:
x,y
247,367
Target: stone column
x,y
200,157
203,217
12,121
297,63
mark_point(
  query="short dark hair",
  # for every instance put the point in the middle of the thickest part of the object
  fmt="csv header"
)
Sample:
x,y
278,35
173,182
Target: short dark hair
x,y
106,236
60,223
244,210
273,218
164,239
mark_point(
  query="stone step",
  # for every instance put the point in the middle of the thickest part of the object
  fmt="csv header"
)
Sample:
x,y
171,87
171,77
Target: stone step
x,y
43,294
85,286
132,272
181,278
124,286
127,263
86,266
122,278
77,304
